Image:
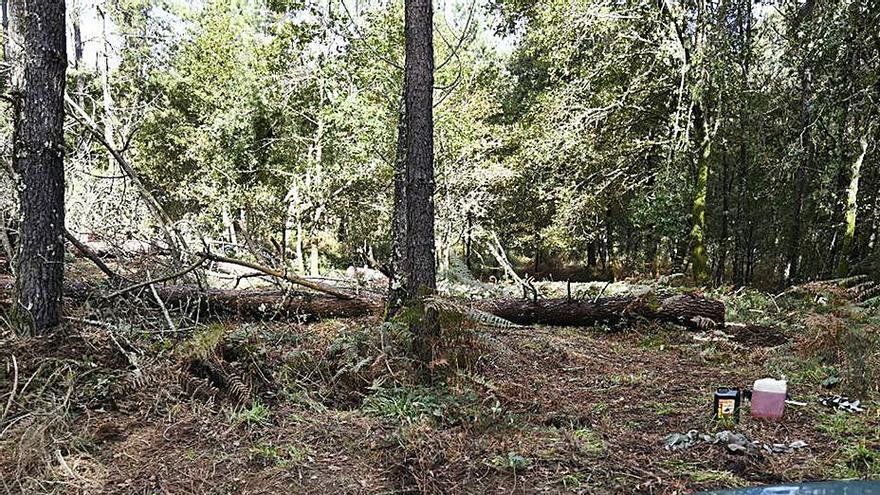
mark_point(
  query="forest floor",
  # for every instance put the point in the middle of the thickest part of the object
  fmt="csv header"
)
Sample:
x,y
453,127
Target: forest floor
x,y
110,405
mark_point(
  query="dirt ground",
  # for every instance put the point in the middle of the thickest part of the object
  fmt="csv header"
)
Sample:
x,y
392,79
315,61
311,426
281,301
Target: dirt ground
x,y
109,407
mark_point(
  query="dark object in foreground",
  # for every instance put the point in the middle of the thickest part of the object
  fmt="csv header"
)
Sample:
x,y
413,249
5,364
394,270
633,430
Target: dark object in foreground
x,y
684,309
823,488
726,404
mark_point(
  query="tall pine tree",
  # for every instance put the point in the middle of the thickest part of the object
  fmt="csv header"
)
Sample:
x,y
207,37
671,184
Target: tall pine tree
x,y
39,59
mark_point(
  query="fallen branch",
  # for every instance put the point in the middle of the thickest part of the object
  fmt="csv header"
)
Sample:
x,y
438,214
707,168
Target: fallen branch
x,y
164,278
152,203
5,243
497,251
14,387
165,313
94,258
294,279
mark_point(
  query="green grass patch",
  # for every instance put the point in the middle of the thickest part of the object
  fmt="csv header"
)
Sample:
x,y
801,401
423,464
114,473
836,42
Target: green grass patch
x,y
841,425
267,454
256,415
589,442
511,462
413,403
859,460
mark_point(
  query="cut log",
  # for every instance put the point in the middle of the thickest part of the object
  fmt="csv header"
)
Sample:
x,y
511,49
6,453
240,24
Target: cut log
x,y
687,310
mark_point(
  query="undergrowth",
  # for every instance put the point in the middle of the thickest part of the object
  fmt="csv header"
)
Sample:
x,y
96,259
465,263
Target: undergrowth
x,y
290,398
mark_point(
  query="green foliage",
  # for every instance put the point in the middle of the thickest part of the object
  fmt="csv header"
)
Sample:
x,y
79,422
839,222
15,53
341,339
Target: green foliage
x,y
589,442
841,426
843,348
255,415
695,473
283,456
598,135
362,355
861,460
511,461
204,343
415,403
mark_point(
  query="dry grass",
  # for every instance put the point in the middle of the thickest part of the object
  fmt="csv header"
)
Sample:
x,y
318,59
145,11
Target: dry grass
x,y
333,408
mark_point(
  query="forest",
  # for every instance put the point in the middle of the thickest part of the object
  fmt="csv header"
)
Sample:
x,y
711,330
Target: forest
x,y
448,246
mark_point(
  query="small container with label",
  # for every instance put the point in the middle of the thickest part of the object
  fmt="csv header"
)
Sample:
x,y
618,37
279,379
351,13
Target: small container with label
x,y
726,404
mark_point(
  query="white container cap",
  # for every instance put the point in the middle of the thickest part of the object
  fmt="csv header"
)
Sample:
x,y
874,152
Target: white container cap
x,y
770,385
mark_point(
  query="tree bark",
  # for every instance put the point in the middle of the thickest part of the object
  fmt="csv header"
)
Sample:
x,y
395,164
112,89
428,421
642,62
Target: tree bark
x,y
399,269
314,259
293,223
4,22
39,60
256,304
852,192
106,95
792,274
743,221
469,238
721,260
6,244
699,258
591,257
609,243
419,118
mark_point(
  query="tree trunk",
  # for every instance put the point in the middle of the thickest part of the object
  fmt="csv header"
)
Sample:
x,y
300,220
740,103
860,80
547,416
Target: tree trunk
x,y
469,237
75,14
653,251
39,60
4,19
852,192
419,118
868,226
314,260
399,267
806,151
743,219
6,245
800,185
106,96
228,225
591,257
699,258
609,243
299,255
721,266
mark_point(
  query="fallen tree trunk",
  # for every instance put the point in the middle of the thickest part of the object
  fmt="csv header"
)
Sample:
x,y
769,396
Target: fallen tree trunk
x,y
259,303
684,309
256,303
